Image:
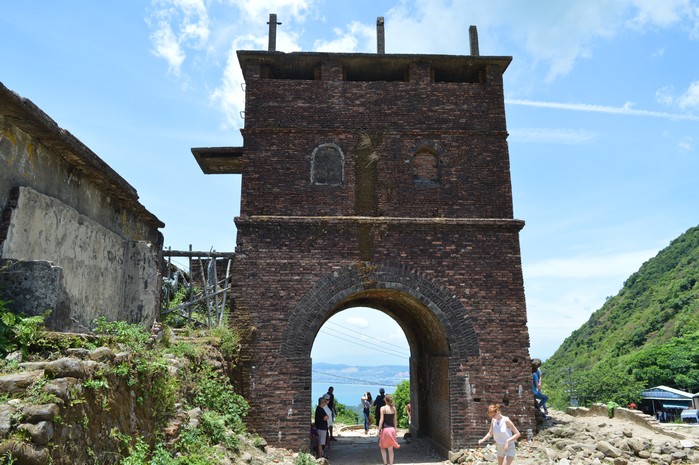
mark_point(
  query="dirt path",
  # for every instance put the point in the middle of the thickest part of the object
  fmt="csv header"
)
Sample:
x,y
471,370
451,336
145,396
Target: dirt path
x,y
354,448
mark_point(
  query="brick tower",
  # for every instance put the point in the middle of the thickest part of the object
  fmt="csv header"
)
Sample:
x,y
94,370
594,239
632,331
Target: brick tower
x,y
382,181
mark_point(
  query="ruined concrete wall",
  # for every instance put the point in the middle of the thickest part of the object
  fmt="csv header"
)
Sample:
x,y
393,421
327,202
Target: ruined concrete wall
x,y
61,203
104,275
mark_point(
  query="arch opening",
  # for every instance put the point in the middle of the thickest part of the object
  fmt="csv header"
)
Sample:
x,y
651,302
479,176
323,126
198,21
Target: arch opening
x,y
360,350
426,363
441,337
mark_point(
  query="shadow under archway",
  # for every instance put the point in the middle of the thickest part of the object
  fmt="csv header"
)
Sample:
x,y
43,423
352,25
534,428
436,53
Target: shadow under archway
x,y
427,313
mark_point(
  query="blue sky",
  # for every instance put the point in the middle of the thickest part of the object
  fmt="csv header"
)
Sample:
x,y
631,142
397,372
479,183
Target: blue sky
x,y
602,101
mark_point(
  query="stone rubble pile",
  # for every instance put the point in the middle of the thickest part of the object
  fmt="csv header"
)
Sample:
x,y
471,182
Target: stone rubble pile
x,y
566,440
572,444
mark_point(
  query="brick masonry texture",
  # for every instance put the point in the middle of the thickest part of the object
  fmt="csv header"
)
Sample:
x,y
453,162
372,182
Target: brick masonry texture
x,y
439,255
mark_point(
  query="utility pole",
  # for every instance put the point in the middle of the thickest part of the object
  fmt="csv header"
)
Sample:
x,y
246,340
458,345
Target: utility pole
x,y
573,402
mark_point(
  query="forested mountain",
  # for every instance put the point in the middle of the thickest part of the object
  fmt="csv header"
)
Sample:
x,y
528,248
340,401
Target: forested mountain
x,y
647,335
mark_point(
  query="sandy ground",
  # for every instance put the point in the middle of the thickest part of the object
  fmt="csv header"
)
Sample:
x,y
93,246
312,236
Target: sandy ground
x,y
353,447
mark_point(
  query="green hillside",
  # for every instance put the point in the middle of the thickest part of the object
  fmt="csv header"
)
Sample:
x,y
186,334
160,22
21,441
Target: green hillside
x,y
647,335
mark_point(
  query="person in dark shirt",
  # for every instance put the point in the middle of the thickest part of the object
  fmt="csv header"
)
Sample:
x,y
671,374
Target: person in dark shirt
x,y
321,420
378,403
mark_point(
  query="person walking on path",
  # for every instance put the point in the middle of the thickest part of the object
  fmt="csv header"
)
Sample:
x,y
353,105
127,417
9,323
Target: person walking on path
x,y
505,434
378,403
387,430
366,410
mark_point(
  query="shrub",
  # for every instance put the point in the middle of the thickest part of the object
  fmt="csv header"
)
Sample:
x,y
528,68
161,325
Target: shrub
x,y
133,337
401,397
345,415
215,393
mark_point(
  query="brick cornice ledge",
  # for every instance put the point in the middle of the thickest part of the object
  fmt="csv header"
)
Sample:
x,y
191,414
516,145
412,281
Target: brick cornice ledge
x,y
378,220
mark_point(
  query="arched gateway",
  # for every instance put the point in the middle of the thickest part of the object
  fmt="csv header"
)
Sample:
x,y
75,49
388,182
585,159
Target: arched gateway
x,y
381,181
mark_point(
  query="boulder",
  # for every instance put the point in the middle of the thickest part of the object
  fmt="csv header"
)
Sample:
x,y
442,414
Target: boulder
x,y
37,413
608,449
17,383
66,389
67,367
41,433
25,453
6,413
102,354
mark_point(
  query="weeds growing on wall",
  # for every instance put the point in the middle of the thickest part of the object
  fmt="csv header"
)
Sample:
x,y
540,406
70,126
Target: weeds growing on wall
x,y
197,385
19,332
199,443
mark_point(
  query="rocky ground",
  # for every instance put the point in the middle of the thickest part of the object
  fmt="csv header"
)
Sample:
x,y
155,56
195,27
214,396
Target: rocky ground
x,y
588,436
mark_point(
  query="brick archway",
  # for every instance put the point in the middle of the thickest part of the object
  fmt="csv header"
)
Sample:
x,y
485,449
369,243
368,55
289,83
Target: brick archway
x,y
427,313
384,287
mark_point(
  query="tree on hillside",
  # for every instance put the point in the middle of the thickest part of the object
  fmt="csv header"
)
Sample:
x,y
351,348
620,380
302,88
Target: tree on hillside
x,y
647,335
401,397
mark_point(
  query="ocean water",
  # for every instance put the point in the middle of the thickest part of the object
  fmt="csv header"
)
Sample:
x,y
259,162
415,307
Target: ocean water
x,y
347,394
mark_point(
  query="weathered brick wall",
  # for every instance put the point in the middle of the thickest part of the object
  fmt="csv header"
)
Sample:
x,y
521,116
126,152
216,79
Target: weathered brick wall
x,y
440,256
464,123
281,268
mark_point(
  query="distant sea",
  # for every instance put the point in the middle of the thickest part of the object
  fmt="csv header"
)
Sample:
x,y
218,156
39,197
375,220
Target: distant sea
x,y
347,394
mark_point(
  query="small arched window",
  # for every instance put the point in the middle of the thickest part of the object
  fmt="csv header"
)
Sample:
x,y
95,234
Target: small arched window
x,y
327,165
425,164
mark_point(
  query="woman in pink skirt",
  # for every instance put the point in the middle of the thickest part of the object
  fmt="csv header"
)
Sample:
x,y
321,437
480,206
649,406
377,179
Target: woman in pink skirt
x,y
387,430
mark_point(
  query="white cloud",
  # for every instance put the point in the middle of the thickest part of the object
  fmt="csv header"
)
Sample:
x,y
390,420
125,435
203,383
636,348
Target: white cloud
x,y
256,9
552,136
177,24
584,267
660,14
554,34
167,47
665,96
229,96
357,37
626,109
357,321
686,144
690,99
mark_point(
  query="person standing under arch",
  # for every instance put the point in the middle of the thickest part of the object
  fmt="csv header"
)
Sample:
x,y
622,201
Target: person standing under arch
x,y
387,430
333,412
366,411
321,421
378,403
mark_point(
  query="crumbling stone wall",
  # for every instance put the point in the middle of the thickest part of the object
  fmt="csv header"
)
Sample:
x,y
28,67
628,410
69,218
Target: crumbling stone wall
x,y
76,428
62,204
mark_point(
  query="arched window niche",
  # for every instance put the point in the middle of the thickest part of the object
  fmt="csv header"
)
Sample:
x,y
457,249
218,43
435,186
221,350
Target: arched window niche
x,y
327,165
425,165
